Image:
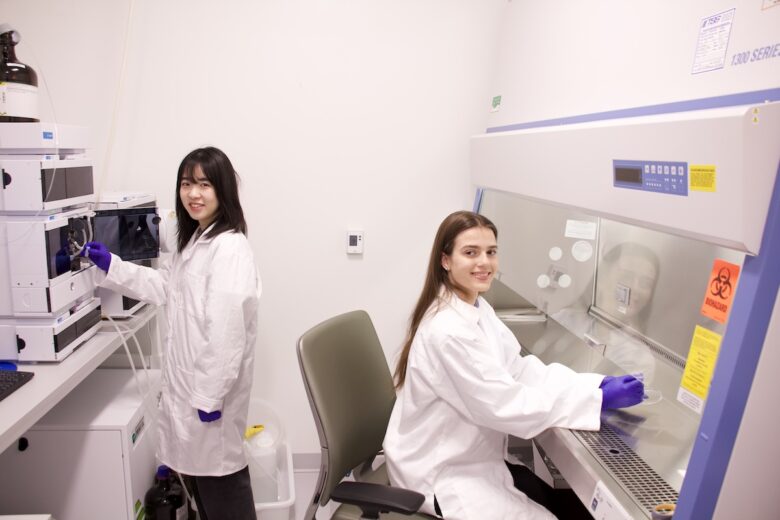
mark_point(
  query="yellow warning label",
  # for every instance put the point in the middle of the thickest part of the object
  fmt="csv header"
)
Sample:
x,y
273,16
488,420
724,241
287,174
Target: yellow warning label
x,y
701,361
702,177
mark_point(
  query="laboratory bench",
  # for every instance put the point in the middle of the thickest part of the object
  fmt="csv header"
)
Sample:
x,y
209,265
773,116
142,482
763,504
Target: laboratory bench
x,y
53,381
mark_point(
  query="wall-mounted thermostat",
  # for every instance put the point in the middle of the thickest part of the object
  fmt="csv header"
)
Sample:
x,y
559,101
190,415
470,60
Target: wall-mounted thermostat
x,y
355,242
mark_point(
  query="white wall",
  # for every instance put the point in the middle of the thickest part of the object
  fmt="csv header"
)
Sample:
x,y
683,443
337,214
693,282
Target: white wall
x,y
562,59
337,114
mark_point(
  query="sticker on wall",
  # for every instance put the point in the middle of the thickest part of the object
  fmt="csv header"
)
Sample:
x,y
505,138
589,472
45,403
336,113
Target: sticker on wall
x,y
713,41
720,290
496,104
580,229
703,354
702,177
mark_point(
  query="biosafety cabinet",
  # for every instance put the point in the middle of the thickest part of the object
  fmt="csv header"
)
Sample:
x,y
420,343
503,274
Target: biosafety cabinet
x,y
648,246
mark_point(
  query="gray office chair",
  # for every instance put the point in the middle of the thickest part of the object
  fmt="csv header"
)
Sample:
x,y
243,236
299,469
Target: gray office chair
x,y
351,394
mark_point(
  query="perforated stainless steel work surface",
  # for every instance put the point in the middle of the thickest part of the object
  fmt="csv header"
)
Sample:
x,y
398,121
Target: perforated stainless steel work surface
x,y
630,471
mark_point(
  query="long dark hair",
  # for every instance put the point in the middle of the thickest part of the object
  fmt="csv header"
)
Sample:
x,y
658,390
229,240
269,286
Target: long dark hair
x,y
437,277
219,171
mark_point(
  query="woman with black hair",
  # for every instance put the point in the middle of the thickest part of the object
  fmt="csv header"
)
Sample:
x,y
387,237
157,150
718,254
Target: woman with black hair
x,y
210,287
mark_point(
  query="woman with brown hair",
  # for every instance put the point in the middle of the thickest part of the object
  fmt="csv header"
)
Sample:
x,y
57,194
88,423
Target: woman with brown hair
x,y
463,386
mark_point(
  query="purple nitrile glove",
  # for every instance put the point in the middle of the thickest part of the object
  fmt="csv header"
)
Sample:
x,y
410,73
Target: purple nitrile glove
x,y
606,380
98,253
209,416
621,391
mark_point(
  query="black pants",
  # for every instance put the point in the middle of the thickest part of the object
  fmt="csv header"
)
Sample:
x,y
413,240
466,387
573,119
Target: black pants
x,y
563,503
223,498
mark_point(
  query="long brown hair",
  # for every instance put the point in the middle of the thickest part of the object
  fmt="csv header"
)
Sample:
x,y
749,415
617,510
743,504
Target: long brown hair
x,y
437,277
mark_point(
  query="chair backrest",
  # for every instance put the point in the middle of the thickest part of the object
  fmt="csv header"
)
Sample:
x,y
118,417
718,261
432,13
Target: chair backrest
x,y
351,393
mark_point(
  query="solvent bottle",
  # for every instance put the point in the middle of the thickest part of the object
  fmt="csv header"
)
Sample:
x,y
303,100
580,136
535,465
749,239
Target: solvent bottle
x,y
161,502
18,82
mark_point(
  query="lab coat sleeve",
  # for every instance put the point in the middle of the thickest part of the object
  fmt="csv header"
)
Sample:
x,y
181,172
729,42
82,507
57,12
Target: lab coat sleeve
x,y
535,398
232,292
136,281
531,370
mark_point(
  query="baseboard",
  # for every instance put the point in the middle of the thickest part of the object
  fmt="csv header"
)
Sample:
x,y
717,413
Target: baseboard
x,y
306,461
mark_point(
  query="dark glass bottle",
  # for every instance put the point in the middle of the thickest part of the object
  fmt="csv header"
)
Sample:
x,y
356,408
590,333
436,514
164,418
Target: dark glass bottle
x,y
160,503
18,82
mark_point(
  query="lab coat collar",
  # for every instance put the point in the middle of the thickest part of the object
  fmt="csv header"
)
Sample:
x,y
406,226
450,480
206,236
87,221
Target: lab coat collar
x,y
196,240
204,238
470,312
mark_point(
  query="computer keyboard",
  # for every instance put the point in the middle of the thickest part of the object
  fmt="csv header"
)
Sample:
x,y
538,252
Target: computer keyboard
x,y
11,380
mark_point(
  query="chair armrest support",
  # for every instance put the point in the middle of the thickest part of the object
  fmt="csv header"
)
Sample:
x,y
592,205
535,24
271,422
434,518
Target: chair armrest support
x,y
373,499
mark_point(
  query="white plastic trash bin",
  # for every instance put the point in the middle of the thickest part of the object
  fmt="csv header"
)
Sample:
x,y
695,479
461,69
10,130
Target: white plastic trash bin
x,y
283,508
270,465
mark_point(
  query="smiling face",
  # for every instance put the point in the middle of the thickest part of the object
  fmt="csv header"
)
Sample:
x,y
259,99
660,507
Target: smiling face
x,y
473,262
199,197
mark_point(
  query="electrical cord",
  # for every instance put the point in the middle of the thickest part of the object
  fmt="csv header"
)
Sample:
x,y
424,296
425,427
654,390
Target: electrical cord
x,y
112,128
119,89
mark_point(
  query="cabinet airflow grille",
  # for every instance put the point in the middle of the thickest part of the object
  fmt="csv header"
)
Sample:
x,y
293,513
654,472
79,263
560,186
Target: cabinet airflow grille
x,y
634,475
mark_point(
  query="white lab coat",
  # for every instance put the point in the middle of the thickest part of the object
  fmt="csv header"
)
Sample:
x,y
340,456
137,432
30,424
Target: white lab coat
x,y
466,388
211,291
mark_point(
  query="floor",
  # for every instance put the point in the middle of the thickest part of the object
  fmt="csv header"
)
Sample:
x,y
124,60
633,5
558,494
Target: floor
x,y
305,480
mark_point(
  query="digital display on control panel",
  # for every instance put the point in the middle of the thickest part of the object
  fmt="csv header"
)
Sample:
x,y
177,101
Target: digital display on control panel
x,y
665,177
629,175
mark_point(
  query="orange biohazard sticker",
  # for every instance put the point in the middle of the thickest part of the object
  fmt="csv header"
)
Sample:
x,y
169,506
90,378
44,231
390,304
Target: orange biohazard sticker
x,y
720,290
